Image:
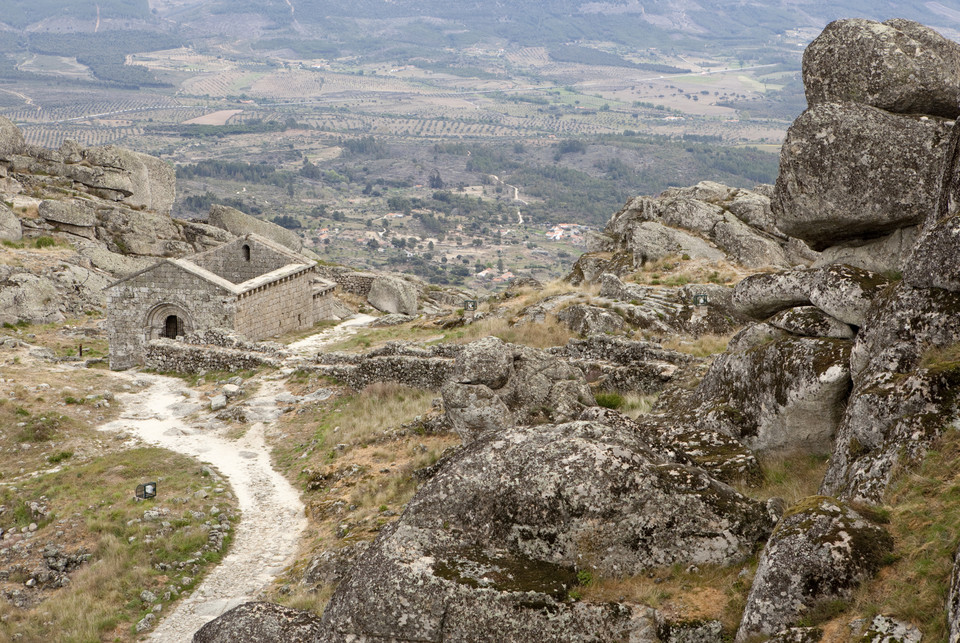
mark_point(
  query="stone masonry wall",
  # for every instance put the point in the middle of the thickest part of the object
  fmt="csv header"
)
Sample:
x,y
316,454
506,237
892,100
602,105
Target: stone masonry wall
x,y
357,283
130,302
324,305
167,355
228,260
276,308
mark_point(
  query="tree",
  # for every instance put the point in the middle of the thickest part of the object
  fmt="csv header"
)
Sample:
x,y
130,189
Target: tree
x,y
436,181
373,244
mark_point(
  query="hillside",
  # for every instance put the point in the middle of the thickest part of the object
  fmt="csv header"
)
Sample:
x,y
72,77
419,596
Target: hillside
x,y
734,419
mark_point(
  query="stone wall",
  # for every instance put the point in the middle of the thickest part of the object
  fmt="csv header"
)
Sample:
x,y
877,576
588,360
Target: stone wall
x,y
622,365
426,368
277,307
167,355
229,261
324,303
357,283
145,297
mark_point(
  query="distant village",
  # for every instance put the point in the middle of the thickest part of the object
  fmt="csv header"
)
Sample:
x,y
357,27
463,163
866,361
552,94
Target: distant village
x,y
571,233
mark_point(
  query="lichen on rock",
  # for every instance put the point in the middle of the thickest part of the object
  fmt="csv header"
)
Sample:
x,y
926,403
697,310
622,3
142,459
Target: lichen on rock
x,y
821,550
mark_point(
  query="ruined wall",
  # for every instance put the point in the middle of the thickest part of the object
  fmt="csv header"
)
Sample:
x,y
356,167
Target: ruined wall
x,y
130,304
167,355
229,261
277,307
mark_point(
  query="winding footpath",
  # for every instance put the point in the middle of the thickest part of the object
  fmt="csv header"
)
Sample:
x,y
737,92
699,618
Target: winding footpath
x,y
267,537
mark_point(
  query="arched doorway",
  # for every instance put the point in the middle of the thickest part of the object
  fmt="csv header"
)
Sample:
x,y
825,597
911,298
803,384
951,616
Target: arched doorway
x,y
167,320
172,327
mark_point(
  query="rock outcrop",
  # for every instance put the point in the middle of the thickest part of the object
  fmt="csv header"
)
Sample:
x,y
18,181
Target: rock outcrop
x,y
904,390
820,551
261,622
619,364
393,295
496,385
11,138
10,229
782,395
842,292
898,65
489,548
238,224
883,175
708,221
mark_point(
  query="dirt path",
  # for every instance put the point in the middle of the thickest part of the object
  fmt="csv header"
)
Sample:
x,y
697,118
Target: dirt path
x,y
168,414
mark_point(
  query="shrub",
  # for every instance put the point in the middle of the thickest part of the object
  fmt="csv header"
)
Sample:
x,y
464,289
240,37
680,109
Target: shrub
x,y
44,242
609,400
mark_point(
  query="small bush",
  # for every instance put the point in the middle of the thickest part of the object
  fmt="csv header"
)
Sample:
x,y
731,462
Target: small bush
x,y
59,457
609,400
44,242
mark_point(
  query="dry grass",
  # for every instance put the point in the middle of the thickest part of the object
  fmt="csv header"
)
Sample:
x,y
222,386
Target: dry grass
x,y
703,346
357,419
543,335
637,404
709,592
679,270
924,509
791,477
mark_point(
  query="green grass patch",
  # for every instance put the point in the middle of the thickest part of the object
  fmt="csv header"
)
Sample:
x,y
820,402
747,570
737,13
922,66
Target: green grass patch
x,y
609,399
96,499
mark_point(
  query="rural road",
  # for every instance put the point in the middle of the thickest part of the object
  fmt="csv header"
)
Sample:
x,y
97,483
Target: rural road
x,y
168,414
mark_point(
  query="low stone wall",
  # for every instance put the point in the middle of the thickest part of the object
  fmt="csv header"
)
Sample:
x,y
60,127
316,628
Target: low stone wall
x,y
167,355
350,281
417,372
426,368
625,366
227,338
619,351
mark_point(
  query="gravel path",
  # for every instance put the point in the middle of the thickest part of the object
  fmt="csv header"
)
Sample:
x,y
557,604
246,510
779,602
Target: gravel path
x,y
267,537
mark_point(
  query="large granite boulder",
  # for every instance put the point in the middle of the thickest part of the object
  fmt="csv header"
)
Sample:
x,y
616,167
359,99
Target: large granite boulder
x,y
703,221
260,621
393,295
820,551
849,171
933,263
11,138
28,297
810,321
764,294
496,385
898,65
76,217
904,390
237,223
10,229
843,292
490,547
784,394
139,180
886,254
586,320
133,232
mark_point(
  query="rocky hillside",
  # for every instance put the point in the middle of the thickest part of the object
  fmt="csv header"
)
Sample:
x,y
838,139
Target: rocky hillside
x,y
788,471
551,517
